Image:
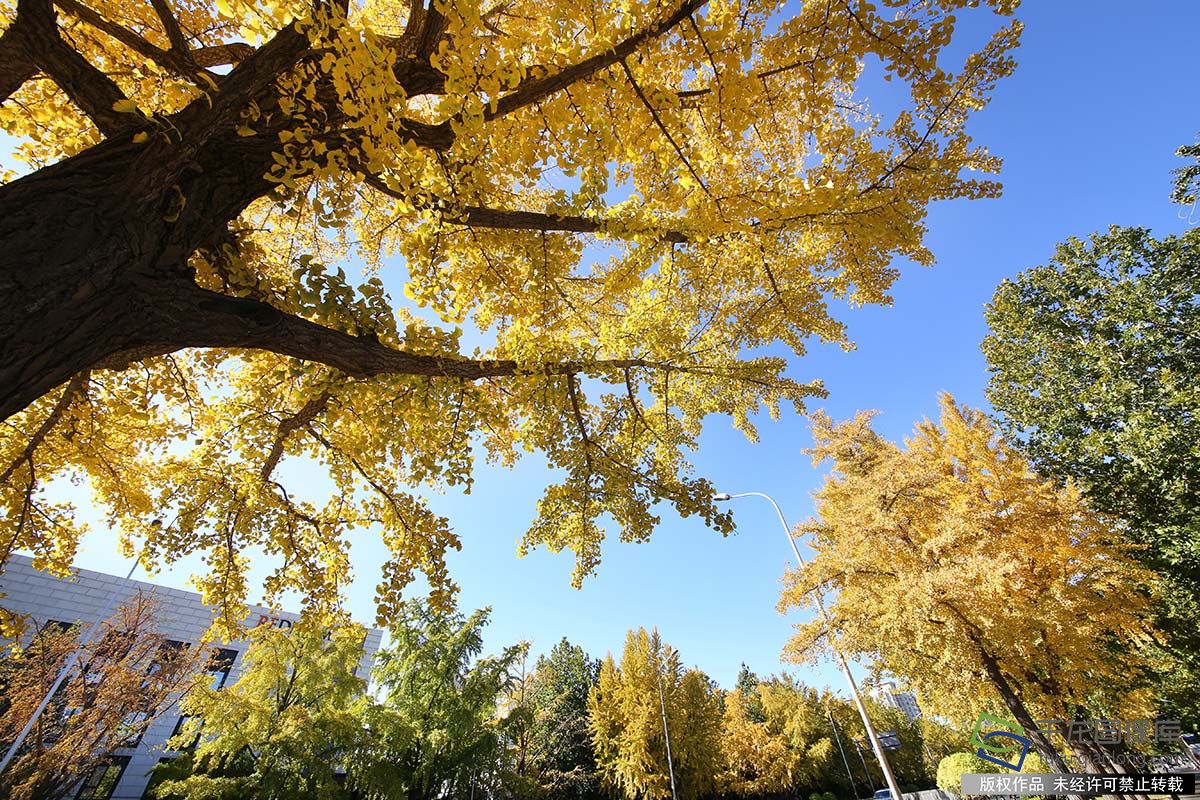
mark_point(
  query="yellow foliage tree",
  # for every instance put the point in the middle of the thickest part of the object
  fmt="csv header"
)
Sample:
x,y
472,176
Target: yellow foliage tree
x,y
953,565
124,678
756,761
625,717
622,197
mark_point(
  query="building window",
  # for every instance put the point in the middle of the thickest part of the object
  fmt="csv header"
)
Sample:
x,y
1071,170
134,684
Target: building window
x,y
58,625
167,656
168,652
131,729
102,781
220,664
180,723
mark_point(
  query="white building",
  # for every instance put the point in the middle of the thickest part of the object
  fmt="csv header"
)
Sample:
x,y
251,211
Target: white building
x,y
179,616
887,693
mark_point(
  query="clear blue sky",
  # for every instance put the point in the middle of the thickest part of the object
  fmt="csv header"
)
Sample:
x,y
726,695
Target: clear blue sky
x,y
1104,93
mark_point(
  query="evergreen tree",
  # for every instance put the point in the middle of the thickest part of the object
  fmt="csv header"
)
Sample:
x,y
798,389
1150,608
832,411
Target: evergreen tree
x,y
434,732
565,757
747,684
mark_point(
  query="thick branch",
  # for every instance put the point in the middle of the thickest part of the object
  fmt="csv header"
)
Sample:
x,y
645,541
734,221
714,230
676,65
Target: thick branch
x,y
219,55
418,77
89,88
181,62
535,89
288,426
205,116
216,320
171,26
188,67
505,219
422,32
511,220
16,62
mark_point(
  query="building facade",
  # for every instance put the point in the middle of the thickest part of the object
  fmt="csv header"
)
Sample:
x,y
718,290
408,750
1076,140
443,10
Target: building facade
x,y
180,616
887,693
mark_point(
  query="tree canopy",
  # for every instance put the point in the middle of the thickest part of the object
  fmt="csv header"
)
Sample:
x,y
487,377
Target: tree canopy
x,y
1095,372
626,709
552,743
951,769
597,212
299,721
282,729
125,676
434,732
954,565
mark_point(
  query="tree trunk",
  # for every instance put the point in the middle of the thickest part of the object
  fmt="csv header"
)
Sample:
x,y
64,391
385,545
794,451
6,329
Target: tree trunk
x,y
94,258
1040,741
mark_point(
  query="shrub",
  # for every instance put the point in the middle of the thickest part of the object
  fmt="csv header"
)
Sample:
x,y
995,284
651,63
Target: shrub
x,y
954,766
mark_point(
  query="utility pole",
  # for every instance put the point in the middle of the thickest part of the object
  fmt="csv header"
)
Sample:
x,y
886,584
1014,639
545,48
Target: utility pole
x,y
862,758
666,733
873,740
838,737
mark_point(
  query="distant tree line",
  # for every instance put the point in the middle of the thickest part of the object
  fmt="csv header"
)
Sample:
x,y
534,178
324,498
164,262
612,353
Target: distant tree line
x,y
444,721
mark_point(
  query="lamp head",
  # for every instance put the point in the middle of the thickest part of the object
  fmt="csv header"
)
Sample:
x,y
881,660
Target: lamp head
x,y
721,497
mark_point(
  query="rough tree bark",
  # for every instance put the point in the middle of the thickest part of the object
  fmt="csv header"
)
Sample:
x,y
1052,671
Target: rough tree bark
x,y
94,250
93,270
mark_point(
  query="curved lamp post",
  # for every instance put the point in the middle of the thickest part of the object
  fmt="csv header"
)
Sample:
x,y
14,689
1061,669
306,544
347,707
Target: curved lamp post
x,y
841,659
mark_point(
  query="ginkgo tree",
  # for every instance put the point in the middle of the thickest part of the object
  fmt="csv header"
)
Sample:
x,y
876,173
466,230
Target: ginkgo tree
x,y
985,586
623,198
647,705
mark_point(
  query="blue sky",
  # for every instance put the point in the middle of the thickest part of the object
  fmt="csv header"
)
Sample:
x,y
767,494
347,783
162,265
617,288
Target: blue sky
x,y
1104,93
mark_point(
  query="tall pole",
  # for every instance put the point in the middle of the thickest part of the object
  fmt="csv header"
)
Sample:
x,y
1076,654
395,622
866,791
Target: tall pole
x,y
838,737
666,733
866,769
62,673
884,766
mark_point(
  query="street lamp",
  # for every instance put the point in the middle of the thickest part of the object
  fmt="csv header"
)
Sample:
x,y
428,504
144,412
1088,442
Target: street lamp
x,y
666,733
845,761
841,659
